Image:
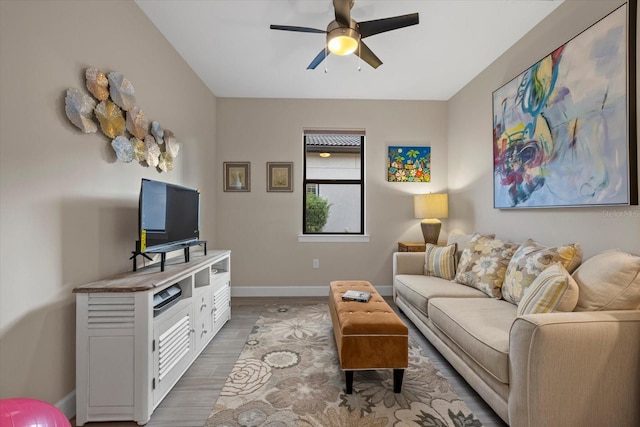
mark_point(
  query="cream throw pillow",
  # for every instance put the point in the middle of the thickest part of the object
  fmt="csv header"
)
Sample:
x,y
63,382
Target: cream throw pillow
x,y
440,261
552,290
483,264
529,260
609,280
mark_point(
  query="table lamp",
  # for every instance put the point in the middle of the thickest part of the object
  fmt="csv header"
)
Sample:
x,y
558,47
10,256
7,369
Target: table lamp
x,y
430,207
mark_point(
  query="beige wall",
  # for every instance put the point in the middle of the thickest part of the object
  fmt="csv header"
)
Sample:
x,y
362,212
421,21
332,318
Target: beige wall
x,y
470,152
68,211
262,229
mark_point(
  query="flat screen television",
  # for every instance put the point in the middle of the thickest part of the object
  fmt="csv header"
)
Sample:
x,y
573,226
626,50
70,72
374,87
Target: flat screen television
x,y
168,216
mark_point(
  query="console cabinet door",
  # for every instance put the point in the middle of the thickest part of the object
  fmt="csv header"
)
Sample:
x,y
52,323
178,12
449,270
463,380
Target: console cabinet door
x,y
174,348
221,301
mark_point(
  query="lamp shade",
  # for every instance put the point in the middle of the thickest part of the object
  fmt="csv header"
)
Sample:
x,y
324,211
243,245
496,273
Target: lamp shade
x,y
432,205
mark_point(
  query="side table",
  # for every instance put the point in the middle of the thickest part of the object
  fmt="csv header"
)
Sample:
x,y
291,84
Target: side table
x,y
411,246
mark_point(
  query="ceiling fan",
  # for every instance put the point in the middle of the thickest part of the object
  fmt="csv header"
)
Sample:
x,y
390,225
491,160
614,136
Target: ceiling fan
x,y
344,35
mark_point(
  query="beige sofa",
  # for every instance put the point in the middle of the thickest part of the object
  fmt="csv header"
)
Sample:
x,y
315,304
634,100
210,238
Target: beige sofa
x,y
579,368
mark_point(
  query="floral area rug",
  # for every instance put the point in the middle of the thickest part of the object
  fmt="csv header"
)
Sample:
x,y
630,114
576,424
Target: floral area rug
x,y
288,375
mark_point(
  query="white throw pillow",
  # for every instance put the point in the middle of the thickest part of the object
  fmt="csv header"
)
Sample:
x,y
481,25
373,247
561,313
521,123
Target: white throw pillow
x,y
609,280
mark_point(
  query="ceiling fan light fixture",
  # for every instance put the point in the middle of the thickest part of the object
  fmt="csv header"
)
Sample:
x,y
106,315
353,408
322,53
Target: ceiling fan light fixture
x,y
342,41
345,35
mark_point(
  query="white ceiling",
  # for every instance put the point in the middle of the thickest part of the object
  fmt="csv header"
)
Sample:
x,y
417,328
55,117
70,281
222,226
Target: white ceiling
x,y
229,45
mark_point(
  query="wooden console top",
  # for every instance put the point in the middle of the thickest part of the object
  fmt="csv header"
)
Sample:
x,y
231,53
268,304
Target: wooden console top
x,y
151,277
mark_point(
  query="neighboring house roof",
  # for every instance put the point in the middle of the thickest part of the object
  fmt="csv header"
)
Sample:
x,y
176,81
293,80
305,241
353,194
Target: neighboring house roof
x,y
333,143
334,140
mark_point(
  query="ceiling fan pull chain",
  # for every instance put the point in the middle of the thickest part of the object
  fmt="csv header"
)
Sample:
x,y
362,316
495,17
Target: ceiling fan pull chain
x,y
359,54
326,60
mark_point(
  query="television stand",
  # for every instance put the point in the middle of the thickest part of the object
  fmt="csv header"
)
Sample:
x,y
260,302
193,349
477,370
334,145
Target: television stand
x,y
131,356
163,253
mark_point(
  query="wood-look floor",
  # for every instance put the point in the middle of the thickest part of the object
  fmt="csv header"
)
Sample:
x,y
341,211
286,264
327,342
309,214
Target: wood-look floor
x,y
189,403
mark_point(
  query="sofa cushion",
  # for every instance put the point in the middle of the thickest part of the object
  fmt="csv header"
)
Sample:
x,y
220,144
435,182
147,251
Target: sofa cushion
x,y
418,290
440,261
484,262
480,327
529,260
609,280
552,290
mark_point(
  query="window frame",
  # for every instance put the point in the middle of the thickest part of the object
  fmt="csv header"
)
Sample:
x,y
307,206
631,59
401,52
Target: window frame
x,y
340,236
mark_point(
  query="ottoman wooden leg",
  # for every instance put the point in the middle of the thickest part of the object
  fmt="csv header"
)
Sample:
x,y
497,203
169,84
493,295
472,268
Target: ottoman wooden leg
x,y
397,380
348,375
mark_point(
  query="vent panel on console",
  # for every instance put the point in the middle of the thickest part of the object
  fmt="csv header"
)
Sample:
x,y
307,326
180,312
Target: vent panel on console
x,y
111,312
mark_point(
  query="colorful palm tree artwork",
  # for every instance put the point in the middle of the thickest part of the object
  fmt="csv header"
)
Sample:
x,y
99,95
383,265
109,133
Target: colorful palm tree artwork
x,y
408,164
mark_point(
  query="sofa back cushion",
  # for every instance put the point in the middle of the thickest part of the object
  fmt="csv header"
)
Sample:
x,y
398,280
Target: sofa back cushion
x,y
484,262
529,260
440,261
552,290
609,280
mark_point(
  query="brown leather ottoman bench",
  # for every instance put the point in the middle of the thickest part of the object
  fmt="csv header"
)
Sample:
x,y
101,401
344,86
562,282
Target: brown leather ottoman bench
x,y
369,335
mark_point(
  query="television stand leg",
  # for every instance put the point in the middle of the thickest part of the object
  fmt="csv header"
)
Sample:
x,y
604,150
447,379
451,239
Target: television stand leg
x,y
134,257
186,254
163,258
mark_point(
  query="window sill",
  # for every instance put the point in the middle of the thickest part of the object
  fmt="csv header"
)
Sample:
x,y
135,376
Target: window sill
x,y
333,238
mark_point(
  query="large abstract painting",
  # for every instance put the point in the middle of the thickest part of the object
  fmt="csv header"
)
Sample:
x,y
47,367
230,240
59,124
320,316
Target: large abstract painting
x,y
564,130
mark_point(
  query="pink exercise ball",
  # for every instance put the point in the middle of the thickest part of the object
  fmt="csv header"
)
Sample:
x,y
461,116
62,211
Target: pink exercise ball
x,y
23,412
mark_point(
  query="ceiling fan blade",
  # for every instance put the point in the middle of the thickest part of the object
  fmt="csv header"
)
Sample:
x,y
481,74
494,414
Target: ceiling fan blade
x,y
318,59
377,26
343,11
367,55
298,29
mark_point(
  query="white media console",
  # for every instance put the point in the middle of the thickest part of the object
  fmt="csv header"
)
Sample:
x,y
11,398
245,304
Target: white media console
x,y
130,351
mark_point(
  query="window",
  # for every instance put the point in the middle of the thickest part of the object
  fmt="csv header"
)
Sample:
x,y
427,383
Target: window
x,y
312,188
334,182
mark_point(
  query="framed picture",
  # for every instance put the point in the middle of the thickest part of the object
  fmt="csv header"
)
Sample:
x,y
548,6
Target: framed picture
x,y
237,176
564,131
280,176
408,164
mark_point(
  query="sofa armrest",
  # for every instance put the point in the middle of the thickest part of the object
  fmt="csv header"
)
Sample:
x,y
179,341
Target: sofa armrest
x,y
408,263
575,369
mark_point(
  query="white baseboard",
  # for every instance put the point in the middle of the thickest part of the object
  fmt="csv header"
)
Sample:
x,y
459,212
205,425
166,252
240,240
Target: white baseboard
x,y
67,405
292,291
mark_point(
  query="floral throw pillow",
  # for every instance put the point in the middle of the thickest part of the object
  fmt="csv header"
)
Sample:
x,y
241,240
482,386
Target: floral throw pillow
x,y
530,260
462,240
483,264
